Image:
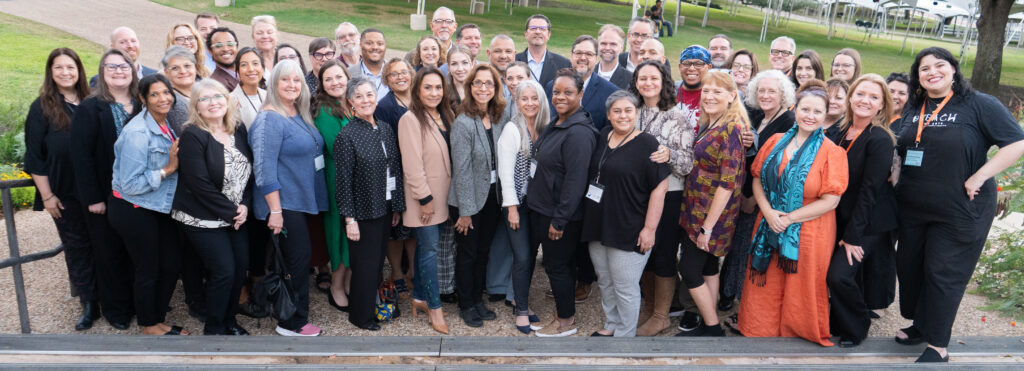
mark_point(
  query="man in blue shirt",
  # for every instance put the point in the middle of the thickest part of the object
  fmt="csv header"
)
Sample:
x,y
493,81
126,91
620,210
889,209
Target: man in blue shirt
x,y
542,62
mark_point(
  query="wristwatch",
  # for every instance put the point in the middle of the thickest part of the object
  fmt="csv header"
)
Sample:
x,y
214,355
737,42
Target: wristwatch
x,y
704,231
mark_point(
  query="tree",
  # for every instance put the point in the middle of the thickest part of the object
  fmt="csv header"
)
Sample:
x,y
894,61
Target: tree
x,y
988,61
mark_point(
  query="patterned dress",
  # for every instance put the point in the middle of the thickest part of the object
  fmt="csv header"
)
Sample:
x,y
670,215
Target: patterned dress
x,y
718,157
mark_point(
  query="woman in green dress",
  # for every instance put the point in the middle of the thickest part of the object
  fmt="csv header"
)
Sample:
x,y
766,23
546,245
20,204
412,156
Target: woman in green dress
x,y
330,114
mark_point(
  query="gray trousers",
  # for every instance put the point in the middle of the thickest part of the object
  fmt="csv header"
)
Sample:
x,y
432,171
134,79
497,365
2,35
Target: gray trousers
x,y
499,264
618,277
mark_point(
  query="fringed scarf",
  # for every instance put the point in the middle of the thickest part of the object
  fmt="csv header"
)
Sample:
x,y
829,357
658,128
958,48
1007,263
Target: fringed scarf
x,y
785,192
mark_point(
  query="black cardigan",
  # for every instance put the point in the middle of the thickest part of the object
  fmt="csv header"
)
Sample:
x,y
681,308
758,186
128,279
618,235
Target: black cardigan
x,y
92,148
48,152
201,175
869,204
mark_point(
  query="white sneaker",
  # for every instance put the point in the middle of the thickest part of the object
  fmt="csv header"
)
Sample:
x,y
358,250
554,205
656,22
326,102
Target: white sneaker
x,y
307,330
554,330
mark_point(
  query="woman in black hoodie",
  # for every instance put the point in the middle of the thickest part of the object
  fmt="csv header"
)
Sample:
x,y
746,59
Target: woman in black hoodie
x,y
559,184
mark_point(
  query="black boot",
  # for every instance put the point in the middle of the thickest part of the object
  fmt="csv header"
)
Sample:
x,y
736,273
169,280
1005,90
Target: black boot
x,y
90,313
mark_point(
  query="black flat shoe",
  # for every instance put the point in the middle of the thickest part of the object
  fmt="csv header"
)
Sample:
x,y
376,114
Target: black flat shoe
x,y
471,317
931,355
452,298
508,303
495,297
330,300
873,315
236,330
725,303
118,325
599,334
485,313
90,313
373,326
251,310
914,336
848,343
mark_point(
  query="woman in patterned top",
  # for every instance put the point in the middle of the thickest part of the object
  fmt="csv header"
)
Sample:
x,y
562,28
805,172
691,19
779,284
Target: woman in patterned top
x,y
712,194
672,124
213,201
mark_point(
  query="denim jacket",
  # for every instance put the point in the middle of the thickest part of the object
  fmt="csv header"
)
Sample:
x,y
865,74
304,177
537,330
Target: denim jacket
x,y
139,153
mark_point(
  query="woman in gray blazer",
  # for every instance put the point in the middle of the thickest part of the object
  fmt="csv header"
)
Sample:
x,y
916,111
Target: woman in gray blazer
x,y
474,192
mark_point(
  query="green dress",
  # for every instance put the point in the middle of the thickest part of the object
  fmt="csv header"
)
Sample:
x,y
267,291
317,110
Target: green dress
x,y
337,244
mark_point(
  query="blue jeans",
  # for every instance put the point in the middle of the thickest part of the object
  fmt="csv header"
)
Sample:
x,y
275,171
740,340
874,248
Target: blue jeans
x,y
524,257
425,286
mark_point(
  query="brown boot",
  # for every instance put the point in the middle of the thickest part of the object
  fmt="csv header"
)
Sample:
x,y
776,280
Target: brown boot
x,y
663,291
647,295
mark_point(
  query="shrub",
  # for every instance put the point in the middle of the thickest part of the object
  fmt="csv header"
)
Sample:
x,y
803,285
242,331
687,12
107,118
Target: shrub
x,y
12,147
21,198
999,274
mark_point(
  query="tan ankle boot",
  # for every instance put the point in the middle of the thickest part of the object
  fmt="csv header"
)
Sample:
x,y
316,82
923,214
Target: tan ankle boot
x,y
664,287
647,295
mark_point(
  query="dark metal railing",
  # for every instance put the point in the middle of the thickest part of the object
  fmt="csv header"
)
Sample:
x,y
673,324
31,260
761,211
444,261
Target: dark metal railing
x,y
16,260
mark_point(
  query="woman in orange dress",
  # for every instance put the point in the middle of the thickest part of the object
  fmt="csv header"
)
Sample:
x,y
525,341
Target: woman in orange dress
x,y
794,236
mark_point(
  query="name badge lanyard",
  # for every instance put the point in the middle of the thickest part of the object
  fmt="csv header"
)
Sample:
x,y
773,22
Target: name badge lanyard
x,y
604,154
644,125
922,123
309,131
848,146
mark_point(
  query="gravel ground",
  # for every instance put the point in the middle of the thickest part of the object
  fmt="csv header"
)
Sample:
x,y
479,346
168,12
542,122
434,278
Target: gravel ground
x,y
54,311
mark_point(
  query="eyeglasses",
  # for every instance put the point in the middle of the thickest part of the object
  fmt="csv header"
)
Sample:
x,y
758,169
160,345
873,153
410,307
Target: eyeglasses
x,y
211,98
537,28
743,67
638,35
482,84
322,56
587,54
399,74
114,67
694,64
221,45
780,52
842,65
446,22
184,39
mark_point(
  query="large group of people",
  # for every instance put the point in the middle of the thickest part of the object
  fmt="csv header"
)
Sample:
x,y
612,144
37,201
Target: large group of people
x,y
803,197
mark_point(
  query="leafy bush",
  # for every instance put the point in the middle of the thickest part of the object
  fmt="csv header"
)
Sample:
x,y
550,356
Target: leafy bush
x,y
1011,181
999,274
21,198
12,147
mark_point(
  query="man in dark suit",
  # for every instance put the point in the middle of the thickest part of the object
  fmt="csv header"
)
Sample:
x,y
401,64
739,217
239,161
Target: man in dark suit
x,y
595,89
124,38
640,29
610,40
542,62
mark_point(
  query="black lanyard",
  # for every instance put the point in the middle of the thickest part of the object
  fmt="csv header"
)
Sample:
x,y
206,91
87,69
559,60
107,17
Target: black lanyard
x,y
247,99
600,163
304,127
643,114
704,131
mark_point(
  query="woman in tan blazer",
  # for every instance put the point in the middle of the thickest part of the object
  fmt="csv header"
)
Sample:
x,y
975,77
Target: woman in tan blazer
x,y
423,142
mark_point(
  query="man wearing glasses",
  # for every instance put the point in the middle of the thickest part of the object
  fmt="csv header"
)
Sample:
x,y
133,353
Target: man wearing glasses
x,y
595,91
640,29
443,26
347,38
321,50
542,62
223,46
694,62
781,57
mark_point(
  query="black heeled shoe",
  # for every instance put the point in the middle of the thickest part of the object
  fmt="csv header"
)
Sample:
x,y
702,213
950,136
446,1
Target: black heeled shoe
x,y
330,300
90,313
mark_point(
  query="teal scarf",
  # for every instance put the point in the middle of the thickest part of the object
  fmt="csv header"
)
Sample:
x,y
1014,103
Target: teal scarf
x,y
785,192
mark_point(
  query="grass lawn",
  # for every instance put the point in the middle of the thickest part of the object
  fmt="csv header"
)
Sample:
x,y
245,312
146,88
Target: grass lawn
x,y
26,46
577,17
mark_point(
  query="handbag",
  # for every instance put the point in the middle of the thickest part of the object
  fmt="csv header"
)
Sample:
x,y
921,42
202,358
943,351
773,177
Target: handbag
x,y
387,299
274,293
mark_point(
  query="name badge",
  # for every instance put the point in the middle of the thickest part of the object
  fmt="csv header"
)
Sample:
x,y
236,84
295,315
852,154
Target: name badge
x,y
318,162
390,186
914,157
533,168
494,176
594,192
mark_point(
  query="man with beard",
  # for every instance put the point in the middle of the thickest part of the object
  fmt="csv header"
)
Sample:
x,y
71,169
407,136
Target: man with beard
x,y
346,36
694,62
781,54
640,29
206,22
223,45
610,41
124,38
721,48
469,36
443,25
543,63
372,46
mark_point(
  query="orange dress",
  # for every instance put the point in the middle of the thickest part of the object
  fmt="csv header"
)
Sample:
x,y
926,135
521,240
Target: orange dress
x,y
796,305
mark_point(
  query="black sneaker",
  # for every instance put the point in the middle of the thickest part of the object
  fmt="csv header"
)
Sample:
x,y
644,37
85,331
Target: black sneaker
x,y
715,330
690,321
700,330
725,303
471,317
484,313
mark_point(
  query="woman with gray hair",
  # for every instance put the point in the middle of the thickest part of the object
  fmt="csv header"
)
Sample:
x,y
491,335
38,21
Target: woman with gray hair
x,y
369,188
515,165
769,96
622,212
289,167
179,67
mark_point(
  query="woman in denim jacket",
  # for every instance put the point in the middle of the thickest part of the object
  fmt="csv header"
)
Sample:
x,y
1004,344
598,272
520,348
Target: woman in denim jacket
x,y
144,181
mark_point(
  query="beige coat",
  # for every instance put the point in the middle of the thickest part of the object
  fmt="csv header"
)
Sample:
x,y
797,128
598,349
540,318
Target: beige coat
x,y
427,170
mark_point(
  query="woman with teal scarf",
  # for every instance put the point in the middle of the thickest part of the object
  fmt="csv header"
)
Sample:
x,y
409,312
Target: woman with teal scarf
x,y
798,178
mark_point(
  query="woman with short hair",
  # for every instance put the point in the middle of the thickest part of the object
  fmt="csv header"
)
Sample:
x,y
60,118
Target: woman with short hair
x,y
837,90
899,88
321,50
743,65
264,39
186,36
289,167
180,68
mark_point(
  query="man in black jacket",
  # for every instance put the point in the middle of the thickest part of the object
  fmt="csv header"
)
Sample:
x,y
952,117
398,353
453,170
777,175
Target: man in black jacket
x,y
610,41
542,62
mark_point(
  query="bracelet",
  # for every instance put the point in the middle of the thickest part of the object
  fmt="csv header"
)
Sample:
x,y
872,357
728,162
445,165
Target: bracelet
x,y
52,195
163,174
276,212
350,222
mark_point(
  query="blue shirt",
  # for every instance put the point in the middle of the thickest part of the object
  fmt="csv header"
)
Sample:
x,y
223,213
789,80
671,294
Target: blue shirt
x,y
141,151
536,67
285,152
382,88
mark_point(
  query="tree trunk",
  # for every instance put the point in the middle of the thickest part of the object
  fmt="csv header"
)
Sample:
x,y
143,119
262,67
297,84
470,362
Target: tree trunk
x,y
988,59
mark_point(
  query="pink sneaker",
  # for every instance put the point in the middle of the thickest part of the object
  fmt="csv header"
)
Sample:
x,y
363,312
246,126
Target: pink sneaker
x,y
308,330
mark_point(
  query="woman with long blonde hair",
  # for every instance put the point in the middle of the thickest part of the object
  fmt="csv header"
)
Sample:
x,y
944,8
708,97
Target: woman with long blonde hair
x,y
186,36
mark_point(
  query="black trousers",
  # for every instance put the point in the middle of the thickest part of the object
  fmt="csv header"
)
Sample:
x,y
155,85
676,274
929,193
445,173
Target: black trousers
x,y
193,273
151,239
695,264
472,250
585,273
259,242
666,238
224,253
78,248
848,306
113,267
879,277
366,259
934,262
559,260
295,250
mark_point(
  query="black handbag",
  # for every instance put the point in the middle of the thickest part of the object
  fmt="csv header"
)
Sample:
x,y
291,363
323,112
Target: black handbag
x,y
274,293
